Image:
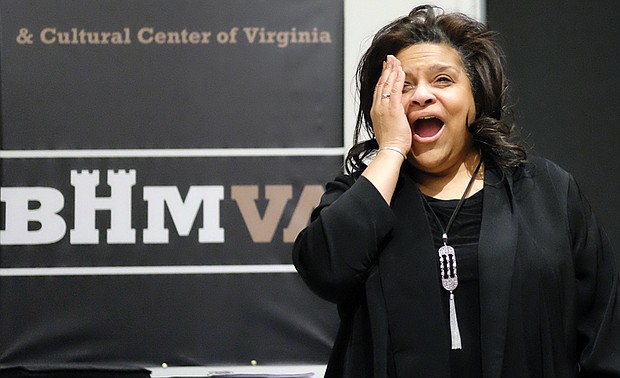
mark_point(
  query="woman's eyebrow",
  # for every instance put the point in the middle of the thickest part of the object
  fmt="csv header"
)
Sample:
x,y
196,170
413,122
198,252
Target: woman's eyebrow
x,y
437,68
443,67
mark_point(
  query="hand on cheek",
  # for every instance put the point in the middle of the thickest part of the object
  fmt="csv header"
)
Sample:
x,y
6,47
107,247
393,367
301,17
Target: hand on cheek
x,y
390,124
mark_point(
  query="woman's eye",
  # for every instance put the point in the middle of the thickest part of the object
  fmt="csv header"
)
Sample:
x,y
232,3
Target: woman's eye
x,y
407,88
443,80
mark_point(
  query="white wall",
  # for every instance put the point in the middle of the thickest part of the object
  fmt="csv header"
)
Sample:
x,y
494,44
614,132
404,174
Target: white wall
x,y
362,18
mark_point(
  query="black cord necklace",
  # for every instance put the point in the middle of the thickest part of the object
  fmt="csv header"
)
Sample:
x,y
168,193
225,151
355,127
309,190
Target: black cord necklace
x,y
447,261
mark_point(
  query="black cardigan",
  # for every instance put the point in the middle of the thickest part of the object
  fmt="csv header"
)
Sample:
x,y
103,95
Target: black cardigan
x,y
549,290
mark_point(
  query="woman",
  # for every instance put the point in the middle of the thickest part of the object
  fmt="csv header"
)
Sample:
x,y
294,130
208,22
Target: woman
x,y
447,251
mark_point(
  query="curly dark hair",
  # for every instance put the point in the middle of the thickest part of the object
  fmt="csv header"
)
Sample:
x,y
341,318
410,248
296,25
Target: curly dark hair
x,y
483,61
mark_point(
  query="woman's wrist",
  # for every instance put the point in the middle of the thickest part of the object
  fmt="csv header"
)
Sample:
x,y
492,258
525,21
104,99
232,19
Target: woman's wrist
x,y
383,171
394,149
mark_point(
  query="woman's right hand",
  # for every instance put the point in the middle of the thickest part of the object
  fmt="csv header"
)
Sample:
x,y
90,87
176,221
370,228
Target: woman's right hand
x,y
389,121
391,129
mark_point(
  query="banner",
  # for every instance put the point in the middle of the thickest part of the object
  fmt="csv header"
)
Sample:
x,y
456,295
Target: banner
x,y
158,159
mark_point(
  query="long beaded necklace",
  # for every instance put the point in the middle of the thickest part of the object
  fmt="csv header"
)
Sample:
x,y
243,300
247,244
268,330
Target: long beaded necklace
x,y
447,261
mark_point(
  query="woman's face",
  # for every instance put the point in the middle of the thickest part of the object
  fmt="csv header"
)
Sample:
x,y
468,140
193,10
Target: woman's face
x,y
439,104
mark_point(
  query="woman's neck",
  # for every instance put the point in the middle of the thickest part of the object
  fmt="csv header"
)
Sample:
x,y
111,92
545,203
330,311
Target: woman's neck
x,y
452,184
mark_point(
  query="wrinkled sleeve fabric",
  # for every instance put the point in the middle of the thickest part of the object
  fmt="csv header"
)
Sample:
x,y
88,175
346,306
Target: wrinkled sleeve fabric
x,y
598,291
335,253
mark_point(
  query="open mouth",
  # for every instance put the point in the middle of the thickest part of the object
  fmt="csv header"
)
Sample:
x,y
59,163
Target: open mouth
x,y
426,128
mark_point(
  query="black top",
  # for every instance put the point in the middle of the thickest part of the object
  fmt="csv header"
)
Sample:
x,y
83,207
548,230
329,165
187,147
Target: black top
x,y
463,237
549,288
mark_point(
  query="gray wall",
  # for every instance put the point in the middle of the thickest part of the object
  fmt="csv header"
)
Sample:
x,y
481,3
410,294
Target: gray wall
x,y
563,64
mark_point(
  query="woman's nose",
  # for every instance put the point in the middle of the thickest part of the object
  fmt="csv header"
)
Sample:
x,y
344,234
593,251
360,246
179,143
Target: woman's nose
x,y
423,96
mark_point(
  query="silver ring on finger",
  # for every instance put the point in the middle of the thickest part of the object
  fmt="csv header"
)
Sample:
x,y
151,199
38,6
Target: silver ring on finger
x,y
385,95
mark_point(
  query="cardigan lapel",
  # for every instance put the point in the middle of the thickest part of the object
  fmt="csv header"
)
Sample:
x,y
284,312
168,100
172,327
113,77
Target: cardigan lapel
x,y
496,254
412,288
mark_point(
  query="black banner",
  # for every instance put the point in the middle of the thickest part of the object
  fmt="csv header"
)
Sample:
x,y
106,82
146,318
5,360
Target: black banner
x,y
158,160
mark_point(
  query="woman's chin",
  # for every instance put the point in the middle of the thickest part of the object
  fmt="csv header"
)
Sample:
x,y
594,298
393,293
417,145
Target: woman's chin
x,y
429,162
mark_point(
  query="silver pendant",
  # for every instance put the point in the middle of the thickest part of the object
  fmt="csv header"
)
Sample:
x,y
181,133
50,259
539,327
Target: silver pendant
x,y
447,268
449,281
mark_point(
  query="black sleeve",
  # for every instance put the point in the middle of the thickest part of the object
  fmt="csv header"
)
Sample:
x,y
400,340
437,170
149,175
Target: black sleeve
x,y
336,251
598,291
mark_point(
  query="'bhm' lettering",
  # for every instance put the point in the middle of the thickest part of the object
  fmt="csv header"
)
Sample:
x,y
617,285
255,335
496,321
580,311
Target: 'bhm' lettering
x,y
19,213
